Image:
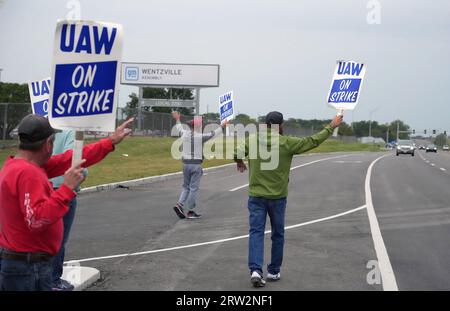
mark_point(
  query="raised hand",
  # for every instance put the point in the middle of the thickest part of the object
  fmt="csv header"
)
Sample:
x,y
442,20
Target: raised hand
x,y
121,132
176,115
337,120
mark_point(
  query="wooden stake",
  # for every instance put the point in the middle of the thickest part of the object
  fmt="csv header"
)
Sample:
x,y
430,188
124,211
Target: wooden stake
x,y
78,147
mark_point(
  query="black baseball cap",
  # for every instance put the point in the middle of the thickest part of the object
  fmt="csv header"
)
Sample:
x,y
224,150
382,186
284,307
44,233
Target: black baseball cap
x,y
274,117
34,128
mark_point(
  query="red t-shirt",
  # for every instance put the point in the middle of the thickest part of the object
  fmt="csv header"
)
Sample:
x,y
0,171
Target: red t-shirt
x,y
30,210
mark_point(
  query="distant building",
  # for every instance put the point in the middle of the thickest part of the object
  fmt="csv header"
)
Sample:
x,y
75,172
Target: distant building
x,y
371,140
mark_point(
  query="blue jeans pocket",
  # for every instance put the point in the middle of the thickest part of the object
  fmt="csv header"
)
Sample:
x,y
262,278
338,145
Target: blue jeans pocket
x,y
16,276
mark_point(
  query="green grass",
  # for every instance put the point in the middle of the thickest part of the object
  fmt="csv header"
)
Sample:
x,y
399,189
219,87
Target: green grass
x,y
138,157
336,146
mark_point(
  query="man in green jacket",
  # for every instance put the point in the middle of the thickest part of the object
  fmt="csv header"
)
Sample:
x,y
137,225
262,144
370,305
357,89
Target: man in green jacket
x,y
268,188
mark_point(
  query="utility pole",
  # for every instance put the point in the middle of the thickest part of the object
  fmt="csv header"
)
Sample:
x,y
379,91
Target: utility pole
x,y
387,135
397,131
1,74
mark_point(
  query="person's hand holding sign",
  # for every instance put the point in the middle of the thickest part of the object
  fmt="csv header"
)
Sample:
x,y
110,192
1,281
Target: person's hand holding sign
x,y
225,123
121,132
337,120
74,176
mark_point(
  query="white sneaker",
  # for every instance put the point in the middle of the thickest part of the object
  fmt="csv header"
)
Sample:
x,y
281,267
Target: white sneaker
x,y
257,280
273,277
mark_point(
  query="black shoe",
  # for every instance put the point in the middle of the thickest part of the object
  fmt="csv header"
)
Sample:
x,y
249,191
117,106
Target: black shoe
x,y
179,211
62,286
193,215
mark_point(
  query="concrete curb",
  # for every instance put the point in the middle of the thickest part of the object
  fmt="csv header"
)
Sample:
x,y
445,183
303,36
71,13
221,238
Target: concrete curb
x,y
143,181
80,277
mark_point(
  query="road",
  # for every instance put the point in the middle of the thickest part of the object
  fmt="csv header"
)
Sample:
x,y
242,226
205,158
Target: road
x,y
331,243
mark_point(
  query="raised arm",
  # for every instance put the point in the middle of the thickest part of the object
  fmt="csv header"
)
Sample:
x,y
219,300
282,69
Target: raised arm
x,y
217,131
92,153
301,145
180,130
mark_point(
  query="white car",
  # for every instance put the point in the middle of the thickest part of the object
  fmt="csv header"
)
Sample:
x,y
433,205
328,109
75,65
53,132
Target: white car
x,y
446,148
405,146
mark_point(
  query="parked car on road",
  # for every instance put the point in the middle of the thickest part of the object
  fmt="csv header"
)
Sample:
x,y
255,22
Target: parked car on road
x,y
445,148
405,146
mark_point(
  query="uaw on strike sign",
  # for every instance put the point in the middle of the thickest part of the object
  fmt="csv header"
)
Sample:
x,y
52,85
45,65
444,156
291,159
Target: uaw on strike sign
x,y
346,85
226,106
39,94
85,76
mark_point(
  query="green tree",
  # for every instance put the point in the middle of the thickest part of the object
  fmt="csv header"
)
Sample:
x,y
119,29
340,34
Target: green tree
x,y
345,130
441,140
393,130
211,117
243,119
15,95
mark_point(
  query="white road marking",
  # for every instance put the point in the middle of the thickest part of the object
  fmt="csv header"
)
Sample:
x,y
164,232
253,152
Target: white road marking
x,y
341,162
432,164
298,166
384,264
215,241
442,169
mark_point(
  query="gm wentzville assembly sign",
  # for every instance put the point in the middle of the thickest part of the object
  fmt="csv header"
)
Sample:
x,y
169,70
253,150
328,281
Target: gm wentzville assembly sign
x,y
346,85
186,75
85,75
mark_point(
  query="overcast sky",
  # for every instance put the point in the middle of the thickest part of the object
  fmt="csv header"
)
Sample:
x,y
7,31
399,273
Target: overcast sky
x,y
274,55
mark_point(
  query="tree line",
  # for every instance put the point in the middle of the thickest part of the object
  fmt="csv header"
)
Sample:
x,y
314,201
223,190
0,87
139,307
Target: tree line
x,y
18,93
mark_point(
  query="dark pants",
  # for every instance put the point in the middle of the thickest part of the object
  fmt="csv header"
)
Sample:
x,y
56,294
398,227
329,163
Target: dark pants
x,y
58,260
18,275
258,209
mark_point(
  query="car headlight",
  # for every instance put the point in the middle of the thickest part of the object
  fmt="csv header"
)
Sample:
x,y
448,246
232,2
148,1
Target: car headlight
x,y
411,148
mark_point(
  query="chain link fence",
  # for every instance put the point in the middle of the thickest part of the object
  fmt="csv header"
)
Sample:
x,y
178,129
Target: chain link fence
x,y
154,124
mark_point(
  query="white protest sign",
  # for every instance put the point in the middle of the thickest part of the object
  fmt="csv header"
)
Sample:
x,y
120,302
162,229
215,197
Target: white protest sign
x,y
226,106
39,95
85,75
346,85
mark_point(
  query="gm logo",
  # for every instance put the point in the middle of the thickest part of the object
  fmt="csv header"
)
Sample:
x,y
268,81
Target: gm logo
x,y
131,73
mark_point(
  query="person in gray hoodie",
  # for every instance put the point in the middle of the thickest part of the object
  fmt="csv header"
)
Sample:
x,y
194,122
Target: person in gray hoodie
x,y
192,157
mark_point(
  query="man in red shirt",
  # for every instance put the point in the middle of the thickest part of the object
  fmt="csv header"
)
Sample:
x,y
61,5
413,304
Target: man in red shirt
x,y
31,212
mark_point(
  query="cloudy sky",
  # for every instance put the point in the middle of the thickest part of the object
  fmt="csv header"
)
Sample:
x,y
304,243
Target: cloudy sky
x,y
274,55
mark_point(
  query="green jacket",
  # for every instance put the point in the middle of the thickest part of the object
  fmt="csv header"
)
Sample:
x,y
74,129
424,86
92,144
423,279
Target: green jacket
x,y
268,176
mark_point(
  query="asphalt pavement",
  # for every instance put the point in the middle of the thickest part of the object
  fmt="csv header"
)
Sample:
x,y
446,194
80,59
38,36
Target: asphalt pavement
x,y
138,243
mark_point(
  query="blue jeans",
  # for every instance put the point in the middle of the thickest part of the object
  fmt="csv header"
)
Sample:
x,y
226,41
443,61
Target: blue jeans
x,y
18,275
58,260
192,174
258,209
